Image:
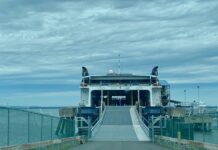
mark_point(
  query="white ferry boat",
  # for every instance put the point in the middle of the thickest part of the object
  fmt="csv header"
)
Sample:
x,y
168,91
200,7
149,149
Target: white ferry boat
x,y
123,89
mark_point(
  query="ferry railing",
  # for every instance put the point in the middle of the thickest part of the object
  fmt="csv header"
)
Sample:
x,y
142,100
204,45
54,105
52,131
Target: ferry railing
x,y
121,84
145,120
97,118
141,123
156,120
21,127
98,123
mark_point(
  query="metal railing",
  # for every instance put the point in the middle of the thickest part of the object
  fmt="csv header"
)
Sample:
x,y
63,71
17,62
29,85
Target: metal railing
x,y
205,131
22,127
98,122
142,124
59,144
181,144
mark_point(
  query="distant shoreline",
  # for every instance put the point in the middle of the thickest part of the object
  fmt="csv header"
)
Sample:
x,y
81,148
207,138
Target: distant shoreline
x,y
35,107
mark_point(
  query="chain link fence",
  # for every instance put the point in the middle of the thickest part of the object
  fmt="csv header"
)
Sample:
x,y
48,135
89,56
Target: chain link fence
x,y
195,132
22,127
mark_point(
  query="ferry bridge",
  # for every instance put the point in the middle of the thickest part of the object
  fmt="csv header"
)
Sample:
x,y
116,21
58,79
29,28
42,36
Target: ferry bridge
x,y
119,128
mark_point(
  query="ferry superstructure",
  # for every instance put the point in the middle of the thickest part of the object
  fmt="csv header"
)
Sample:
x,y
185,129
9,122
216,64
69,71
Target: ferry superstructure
x,y
123,89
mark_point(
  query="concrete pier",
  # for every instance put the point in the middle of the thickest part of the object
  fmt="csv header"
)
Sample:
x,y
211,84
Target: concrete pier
x,y
201,122
119,145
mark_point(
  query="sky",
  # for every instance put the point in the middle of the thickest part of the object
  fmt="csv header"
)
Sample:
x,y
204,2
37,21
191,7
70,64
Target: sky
x,y
44,44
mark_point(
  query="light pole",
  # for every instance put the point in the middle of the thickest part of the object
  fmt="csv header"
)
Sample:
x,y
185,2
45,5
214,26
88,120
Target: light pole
x,y
198,87
185,96
119,65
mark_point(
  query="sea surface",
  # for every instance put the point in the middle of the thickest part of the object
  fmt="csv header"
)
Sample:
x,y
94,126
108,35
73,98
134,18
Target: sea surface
x,y
209,137
15,126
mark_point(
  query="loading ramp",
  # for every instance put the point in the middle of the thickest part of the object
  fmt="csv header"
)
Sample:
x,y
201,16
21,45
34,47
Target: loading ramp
x,y
120,123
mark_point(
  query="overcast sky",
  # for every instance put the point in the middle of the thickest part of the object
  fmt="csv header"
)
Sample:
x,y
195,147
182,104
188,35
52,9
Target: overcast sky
x,y
44,43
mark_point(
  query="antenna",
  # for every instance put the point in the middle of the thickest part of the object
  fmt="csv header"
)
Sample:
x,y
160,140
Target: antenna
x,y
119,64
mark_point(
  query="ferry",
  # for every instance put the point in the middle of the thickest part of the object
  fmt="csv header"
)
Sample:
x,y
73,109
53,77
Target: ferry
x,y
115,89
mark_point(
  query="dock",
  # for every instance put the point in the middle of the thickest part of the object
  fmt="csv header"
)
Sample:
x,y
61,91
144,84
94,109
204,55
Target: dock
x,y
119,127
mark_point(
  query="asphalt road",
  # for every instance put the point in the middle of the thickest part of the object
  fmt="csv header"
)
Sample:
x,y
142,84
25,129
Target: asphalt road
x,y
125,145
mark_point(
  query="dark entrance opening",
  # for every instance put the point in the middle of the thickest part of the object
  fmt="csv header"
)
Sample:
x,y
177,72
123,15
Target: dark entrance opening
x,y
120,97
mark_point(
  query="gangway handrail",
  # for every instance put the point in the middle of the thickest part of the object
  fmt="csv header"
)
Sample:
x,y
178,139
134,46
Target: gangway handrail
x,y
94,128
156,120
141,123
95,121
144,119
82,119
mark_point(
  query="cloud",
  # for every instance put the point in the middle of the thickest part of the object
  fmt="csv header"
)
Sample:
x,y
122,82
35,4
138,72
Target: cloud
x,y
47,42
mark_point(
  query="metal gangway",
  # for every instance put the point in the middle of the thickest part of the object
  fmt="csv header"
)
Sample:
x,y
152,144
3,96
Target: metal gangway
x,y
120,123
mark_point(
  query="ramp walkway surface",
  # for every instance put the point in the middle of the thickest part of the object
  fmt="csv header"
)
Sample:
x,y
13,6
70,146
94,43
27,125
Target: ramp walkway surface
x,y
119,129
120,123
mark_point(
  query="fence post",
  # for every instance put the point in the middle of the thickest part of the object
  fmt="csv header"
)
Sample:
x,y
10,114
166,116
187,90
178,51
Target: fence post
x,y
217,117
51,128
28,127
161,130
189,130
203,128
89,127
178,133
8,133
152,127
41,127
173,127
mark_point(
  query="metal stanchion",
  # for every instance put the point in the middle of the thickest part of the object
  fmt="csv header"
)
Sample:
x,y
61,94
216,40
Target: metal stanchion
x,y
51,128
8,132
189,130
28,127
217,118
178,136
203,128
89,127
41,132
152,127
161,130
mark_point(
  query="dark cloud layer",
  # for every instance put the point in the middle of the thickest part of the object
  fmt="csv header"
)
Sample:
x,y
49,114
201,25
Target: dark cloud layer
x,y
48,41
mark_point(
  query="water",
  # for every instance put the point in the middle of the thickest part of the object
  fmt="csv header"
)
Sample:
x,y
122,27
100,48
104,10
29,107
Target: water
x,y
20,127
210,137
